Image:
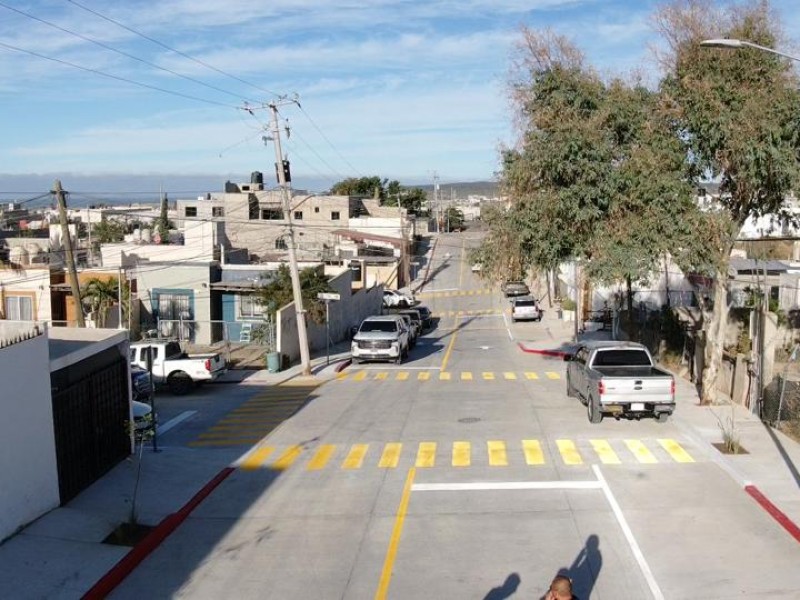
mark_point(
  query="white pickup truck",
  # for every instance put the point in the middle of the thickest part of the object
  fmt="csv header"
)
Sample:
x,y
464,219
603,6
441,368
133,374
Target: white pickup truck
x,y
621,379
173,367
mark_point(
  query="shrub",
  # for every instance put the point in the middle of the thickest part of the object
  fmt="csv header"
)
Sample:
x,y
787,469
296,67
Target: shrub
x,y
568,304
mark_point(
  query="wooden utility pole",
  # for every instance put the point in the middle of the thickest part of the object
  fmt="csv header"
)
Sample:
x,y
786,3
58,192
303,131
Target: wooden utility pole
x,y
66,240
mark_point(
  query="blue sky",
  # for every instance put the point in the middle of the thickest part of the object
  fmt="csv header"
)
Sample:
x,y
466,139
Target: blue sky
x,y
396,88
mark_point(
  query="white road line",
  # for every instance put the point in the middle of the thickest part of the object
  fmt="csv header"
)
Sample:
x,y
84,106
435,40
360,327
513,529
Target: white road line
x,y
176,421
626,530
508,329
506,485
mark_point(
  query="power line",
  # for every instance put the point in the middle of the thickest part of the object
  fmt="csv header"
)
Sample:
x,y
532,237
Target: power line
x,y
116,77
170,48
120,52
325,137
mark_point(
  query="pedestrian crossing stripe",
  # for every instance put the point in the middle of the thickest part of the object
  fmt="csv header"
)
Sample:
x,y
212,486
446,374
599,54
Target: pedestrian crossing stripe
x,y
467,313
454,293
369,375
463,454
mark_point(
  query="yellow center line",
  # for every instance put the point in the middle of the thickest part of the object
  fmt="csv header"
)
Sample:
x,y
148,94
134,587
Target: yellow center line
x,y
449,351
394,541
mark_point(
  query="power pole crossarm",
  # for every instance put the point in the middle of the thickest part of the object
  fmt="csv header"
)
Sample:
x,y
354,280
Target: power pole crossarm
x,y
302,333
66,240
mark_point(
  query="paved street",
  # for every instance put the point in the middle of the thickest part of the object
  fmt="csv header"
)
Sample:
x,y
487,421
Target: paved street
x,y
466,470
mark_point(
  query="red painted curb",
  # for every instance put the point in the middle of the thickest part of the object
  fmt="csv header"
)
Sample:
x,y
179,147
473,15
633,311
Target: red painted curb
x,y
117,574
774,511
558,353
342,365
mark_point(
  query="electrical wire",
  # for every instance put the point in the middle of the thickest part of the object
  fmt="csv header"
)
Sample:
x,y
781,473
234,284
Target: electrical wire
x,y
120,52
325,137
170,48
116,77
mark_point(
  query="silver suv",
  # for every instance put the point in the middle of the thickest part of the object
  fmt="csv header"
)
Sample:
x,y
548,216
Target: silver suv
x,y
384,337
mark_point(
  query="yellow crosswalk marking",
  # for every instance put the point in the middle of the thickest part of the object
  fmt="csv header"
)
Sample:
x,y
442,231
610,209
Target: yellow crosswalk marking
x,y
381,375
488,376
341,376
286,459
676,451
640,451
355,458
390,456
569,453
466,376
256,458
533,452
461,454
402,375
509,375
321,457
360,376
531,375
552,375
423,376
497,454
426,454
605,452
444,376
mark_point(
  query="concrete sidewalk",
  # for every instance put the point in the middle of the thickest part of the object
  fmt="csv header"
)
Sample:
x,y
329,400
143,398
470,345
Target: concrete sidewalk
x,y
61,555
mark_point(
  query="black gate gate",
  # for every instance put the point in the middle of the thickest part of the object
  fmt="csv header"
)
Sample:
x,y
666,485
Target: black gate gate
x,y
89,417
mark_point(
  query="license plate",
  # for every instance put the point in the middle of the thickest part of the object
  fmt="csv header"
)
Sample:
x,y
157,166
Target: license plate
x,y
637,406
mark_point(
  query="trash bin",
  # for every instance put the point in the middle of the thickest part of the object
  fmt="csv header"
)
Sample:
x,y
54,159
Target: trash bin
x,y
273,362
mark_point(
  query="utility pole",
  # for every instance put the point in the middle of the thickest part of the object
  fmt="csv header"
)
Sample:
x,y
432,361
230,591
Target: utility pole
x,y
69,256
281,167
436,200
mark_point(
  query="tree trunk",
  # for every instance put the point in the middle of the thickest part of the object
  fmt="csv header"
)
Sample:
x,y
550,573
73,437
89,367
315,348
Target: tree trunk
x,y
715,338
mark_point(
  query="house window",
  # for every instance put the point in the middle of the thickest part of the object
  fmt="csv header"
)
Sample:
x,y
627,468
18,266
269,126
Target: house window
x,y
298,215
190,211
271,214
316,209
280,244
217,211
250,307
334,215
19,308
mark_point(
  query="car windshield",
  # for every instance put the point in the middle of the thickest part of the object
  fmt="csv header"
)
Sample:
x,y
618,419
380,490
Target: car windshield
x,y
622,358
387,326
525,303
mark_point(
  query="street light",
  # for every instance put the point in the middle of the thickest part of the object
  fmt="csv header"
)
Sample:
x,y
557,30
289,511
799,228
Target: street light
x,y
739,44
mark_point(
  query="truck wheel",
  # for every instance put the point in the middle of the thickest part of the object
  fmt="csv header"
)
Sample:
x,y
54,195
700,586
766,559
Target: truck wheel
x,y
593,410
662,417
180,383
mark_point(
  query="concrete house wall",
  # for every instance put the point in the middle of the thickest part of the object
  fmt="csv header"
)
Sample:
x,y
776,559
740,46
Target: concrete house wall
x,y
28,457
29,282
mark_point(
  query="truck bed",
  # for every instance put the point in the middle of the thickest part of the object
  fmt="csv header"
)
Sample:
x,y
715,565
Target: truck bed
x,y
640,372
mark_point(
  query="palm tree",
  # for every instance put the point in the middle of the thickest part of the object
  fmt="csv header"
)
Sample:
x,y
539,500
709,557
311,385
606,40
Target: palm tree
x,y
98,295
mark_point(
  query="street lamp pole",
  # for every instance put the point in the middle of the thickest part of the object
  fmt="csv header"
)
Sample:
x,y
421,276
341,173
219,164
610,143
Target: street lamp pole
x,y
735,44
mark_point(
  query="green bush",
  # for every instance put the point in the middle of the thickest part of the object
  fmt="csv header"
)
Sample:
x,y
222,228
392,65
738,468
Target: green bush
x,y
568,304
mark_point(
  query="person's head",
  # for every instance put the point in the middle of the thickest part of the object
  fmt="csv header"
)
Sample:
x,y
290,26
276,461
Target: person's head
x,y
560,588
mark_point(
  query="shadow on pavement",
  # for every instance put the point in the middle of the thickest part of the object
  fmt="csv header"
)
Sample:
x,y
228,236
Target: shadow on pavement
x,y
508,589
585,568
784,455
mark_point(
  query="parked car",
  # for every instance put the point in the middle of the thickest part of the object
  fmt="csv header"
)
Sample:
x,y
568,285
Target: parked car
x,y
621,379
395,298
173,367
413,328
515,288
140,384
144,418
525,308
384,337
415,314
426,316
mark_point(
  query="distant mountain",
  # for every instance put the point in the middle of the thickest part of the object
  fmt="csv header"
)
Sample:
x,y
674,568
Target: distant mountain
x,y
490,189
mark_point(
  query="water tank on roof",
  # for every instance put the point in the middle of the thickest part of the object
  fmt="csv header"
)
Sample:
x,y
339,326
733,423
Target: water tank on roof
x,y
146,235
256,177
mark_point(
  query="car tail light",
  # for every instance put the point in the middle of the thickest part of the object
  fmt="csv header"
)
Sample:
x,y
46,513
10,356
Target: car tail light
x,y
672,388
601,388
208,364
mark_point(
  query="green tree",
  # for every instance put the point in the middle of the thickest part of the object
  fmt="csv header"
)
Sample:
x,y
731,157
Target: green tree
x,y
453,219
363,186
98,296
411,199
108,231
278,292
737,114
163,224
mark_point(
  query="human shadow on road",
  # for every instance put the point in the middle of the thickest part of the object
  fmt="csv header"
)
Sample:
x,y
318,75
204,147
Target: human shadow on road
x,y
585,569
506,590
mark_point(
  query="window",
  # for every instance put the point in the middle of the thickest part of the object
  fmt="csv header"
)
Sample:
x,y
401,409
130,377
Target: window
x,y
334,215
190,211
316,209
280,244
271,214
250,307
217,211
298,215
19,308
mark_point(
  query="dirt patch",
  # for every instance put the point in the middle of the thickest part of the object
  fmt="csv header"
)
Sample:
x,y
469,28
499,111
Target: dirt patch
x,y
726,449
128,534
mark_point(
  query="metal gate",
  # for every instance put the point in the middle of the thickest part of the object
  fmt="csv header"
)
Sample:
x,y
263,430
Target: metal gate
x,y
89,420
175,317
